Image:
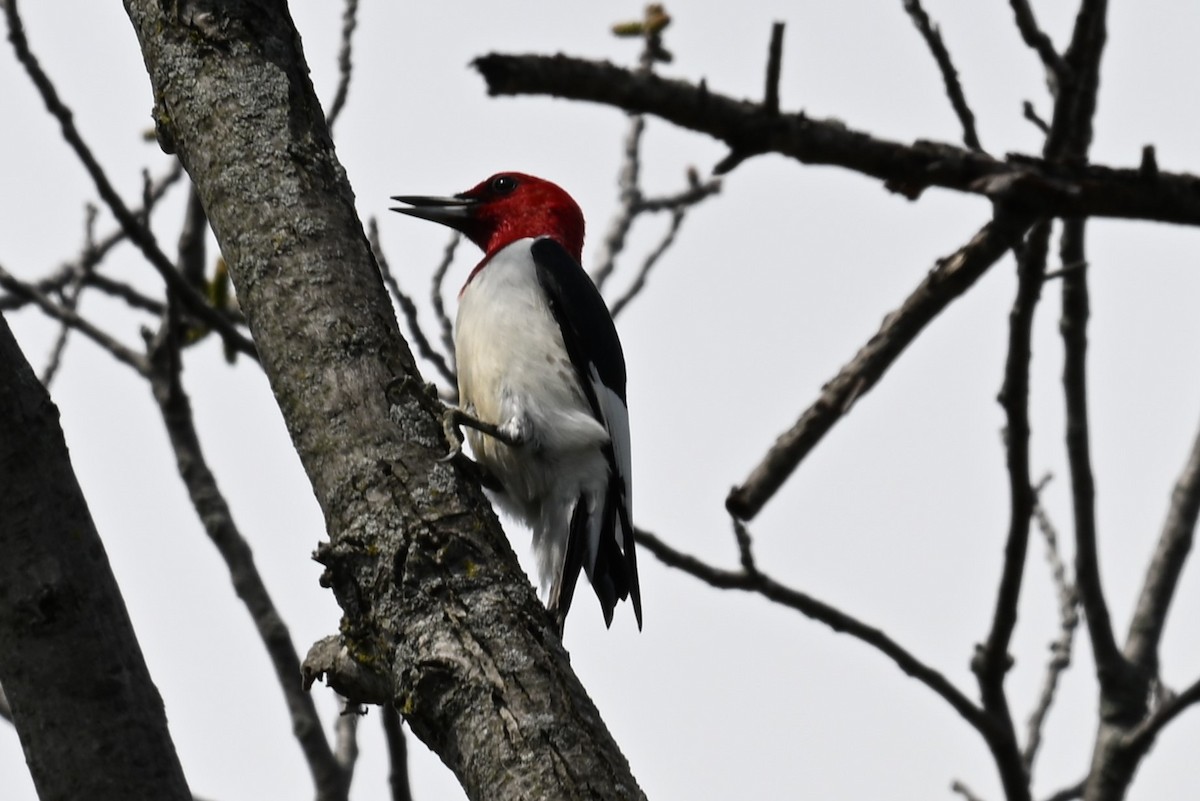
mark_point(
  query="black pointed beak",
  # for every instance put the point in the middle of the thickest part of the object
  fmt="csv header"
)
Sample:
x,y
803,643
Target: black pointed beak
x,y
451,211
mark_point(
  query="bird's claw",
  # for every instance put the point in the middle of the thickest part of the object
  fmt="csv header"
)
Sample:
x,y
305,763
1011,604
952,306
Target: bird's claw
x,y
511,433
453,434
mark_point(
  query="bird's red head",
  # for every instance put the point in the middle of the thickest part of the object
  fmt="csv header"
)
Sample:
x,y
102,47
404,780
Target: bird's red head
x,y
504,208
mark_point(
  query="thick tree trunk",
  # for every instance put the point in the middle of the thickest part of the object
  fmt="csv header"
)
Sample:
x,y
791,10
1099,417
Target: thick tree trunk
x,y
438,617
90,720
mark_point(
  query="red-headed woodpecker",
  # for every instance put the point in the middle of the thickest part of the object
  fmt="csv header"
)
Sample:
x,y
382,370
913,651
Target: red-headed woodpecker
x,y
540,363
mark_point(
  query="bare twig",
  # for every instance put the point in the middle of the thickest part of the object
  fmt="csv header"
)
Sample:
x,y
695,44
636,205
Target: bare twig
x,y
345,65
70,300
397,748
70,297
439,303
628,195
1068,619
761,584
696,191
1031,114
954,91
138,233
774,68
966,792
70,318
408,308
949,279
745,547
91,257
1037,39
639,281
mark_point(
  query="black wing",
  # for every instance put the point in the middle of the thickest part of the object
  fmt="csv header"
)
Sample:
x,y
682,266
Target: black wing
x,y
595,351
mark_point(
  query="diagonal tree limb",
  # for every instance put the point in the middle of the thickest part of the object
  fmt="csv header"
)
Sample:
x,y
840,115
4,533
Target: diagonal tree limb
x,y
946,281
1162,577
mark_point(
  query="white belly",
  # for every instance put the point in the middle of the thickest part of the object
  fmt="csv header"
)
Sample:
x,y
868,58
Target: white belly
x,y
513,368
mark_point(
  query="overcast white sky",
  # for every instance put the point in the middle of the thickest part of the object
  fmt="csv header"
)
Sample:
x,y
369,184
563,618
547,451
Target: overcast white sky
x,y
898,518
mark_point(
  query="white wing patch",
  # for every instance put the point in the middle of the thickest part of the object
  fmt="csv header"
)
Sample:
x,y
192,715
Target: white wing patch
x,y
616,421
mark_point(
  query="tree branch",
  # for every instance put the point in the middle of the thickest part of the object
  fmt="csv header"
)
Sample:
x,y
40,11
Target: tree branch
x,y
992,661
946,281
954,91
1038,40
1040,187
408,308
93,254
138,233
345,65
1142,737
774,68
1110,664
439,304
69,317
1162,577
762,584
397,748
1060,649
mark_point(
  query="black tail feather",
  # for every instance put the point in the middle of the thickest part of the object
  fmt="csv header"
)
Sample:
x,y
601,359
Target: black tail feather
x,y
572,563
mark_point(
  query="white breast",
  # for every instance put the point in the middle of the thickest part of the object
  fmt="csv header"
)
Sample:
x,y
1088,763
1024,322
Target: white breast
x,y
513,366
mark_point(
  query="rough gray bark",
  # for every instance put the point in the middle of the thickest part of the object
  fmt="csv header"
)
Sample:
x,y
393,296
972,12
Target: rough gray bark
x,y
90,720
438,615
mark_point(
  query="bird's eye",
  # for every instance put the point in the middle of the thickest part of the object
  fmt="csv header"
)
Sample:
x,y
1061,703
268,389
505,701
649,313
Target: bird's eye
x,y
503,184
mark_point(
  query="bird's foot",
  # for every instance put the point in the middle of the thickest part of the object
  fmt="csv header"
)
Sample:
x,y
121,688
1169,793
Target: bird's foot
x,y
511,433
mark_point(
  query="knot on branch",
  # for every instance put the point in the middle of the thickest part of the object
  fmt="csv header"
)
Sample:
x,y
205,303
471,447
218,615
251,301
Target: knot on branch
x,y
355,680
